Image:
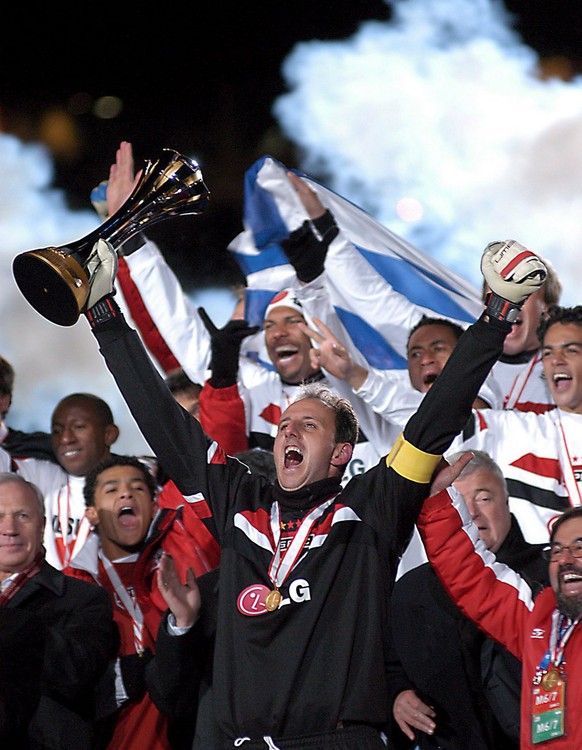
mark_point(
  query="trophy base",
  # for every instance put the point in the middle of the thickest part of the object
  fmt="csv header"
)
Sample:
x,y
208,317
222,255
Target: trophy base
x,y
53,282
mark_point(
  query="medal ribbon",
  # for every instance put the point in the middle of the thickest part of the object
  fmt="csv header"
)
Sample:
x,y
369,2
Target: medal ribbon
x,y
567,468
562,629
282,565
64,517
520,382
132,608
64,512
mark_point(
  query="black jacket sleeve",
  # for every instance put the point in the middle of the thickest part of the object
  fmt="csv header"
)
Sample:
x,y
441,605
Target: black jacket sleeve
x,y
174,675
174,435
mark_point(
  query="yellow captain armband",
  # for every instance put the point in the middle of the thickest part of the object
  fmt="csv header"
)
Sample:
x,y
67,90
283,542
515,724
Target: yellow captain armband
x,y
410,462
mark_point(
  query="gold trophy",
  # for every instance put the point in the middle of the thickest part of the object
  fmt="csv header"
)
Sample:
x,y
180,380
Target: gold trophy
x,y
56,281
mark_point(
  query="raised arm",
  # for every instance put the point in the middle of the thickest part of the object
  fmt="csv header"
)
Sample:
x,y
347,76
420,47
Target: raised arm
x,y
175,436
166,319
513,273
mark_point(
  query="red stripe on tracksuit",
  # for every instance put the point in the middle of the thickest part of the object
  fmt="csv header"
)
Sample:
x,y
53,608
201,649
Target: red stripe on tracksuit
x,y
150,334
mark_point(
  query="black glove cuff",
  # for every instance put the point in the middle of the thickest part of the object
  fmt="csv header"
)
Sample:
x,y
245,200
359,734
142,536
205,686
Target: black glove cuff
x,y
224,361
502,309
306,252
103,312
218,380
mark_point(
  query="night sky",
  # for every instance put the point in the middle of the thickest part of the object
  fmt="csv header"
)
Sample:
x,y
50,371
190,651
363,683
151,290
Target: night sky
x,y
200,78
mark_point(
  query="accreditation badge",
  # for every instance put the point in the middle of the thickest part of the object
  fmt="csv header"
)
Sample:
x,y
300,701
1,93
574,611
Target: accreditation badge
x,y
548,706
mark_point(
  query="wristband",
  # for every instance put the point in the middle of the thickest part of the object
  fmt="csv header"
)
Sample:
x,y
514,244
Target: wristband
x,y
102,312
502,309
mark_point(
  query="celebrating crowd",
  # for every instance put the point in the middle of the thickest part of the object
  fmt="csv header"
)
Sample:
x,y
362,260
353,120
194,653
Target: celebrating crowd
x,y
319,553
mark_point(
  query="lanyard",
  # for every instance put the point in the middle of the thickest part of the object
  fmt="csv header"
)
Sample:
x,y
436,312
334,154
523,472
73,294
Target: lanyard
x,y
566,464
520,382
562,629
64,513
282,564
132,608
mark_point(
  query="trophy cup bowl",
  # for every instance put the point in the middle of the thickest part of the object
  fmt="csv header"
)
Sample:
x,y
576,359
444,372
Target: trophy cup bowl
x,y
55,280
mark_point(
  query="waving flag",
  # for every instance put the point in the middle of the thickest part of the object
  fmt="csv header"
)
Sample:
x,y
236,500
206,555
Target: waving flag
x,y
379,285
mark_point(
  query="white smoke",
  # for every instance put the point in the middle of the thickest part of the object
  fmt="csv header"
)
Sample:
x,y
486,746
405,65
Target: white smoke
x,y
51,361
443,109
442,106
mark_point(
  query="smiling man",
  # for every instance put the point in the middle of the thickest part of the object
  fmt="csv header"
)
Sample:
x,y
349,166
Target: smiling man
x,y
540,455
442,693
82,433
75,621
562,358
543,633
564,554
287,345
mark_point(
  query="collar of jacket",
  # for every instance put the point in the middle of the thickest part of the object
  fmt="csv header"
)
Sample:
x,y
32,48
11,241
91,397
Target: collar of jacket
x,y
308,496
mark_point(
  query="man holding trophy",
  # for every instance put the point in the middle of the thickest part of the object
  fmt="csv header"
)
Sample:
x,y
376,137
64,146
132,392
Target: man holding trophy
x,y
307,567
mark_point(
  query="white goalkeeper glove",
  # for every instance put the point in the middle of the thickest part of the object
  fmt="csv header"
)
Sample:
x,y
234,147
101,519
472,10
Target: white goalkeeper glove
x,y
513,273
102,269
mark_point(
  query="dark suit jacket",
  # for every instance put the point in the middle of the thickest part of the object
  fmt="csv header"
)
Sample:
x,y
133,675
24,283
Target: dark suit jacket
x,y
79,637
179,677
22,646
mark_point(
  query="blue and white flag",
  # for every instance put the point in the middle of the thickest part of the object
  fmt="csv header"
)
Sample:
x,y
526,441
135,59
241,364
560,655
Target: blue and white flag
x,y
379,285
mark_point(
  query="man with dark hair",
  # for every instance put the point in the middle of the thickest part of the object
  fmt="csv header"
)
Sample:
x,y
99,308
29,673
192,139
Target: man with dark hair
x,y
130,554
429,345
543,633
557,314
82,433
427,321
539,453
306,566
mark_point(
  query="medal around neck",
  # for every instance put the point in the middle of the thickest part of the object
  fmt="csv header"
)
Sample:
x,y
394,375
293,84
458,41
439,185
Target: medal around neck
x,y
273,600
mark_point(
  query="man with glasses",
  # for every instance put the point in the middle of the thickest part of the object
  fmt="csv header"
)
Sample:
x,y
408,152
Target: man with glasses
x,y
452,687
543,634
